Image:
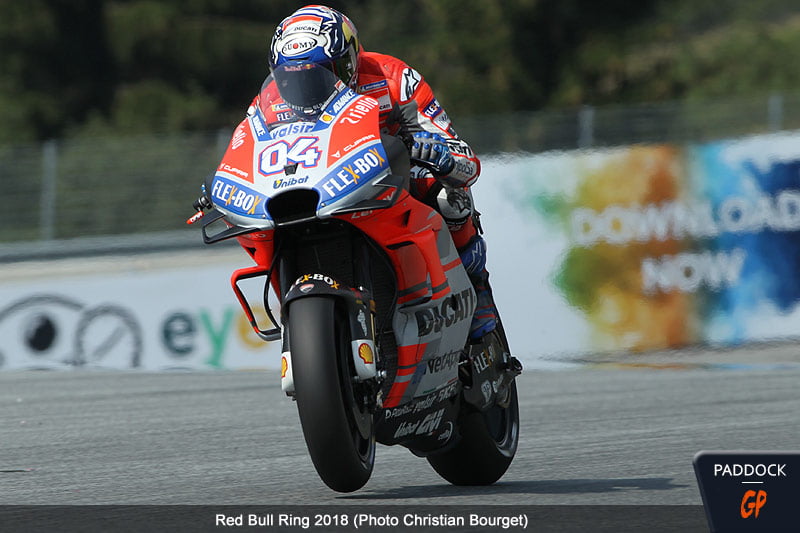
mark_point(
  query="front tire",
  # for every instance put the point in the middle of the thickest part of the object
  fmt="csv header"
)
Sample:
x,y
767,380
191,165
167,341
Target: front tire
x,y
337,423
487,446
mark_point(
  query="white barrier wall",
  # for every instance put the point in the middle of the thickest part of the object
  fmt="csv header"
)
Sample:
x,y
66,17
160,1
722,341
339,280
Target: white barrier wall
x,y
152,313
629,249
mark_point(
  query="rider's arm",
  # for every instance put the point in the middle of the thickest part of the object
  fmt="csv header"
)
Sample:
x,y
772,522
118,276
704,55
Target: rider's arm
x,y
417,109
433,118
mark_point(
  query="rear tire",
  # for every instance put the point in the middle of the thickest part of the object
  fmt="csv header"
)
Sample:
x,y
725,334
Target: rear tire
x,y
337,426
487,446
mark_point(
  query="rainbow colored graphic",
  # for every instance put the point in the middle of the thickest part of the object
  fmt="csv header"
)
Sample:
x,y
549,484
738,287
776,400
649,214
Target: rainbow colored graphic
x,y
669,246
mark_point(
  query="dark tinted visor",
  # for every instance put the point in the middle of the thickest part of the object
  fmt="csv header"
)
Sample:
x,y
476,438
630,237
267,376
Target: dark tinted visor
x,y
343,68
305,87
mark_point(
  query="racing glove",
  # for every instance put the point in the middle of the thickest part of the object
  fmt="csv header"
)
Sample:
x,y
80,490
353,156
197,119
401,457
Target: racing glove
x,y
432,149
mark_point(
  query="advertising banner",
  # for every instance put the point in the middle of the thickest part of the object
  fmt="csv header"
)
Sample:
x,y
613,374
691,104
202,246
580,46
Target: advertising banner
x,y
183,316
646,247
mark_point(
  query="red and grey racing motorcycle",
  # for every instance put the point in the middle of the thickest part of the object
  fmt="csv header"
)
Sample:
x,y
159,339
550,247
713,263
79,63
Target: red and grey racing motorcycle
x,y
375,304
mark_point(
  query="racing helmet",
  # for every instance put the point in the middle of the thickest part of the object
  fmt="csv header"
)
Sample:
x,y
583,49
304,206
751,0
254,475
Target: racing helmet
x,y
321,35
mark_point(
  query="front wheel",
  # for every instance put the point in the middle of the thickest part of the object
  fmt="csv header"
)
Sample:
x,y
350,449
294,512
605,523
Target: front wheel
x,y
487,446
334,413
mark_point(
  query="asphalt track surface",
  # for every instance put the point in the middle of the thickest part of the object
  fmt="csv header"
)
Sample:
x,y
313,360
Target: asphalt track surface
x,y
599,433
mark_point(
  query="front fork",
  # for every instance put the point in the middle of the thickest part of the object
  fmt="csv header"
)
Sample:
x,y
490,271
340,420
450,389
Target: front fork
x,y
360,312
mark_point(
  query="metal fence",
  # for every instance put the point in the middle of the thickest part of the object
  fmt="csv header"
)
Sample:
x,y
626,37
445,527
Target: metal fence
x,y
65,196
105,194
669,122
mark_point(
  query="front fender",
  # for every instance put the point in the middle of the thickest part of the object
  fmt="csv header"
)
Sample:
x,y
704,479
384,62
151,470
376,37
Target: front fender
x,y
358,305
316,285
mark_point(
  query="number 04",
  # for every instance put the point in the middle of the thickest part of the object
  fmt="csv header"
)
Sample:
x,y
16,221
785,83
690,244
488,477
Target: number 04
x,y
276,156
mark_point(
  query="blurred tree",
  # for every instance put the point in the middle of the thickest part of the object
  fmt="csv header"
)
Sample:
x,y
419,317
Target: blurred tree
x,y
90,67
51,55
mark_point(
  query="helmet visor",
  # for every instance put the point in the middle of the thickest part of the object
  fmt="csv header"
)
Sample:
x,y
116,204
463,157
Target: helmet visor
x,y
305,87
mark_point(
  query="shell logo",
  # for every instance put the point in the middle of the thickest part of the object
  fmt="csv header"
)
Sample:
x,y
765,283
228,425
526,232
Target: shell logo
x,y
284,366
365,353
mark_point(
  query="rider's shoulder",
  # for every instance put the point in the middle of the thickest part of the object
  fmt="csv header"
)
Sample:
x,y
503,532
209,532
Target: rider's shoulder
x,y
377,63
376,68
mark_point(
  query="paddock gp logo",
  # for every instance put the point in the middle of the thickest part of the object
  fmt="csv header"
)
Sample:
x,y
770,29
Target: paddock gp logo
x,y
753,500
453,309
749,491
58,331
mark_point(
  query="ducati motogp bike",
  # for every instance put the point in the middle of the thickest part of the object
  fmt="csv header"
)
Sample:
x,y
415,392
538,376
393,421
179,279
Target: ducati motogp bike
x,y
375,304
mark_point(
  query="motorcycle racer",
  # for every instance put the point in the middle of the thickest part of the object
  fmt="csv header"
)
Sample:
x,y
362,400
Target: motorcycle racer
x,y
408,109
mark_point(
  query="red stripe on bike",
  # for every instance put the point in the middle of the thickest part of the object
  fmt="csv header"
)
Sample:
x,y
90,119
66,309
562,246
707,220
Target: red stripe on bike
x,y
407,359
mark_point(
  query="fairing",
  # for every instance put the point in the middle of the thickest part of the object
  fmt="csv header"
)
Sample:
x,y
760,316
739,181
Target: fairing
x,y
340,168
274,151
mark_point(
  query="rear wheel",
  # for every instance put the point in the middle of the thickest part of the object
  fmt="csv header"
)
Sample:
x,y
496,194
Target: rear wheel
x,y
487,446
334,412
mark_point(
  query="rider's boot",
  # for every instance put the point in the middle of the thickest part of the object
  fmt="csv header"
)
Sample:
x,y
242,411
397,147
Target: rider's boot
x,y
456,206
473,256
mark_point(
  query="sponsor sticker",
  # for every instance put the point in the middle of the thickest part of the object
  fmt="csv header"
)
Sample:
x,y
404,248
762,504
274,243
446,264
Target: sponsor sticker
x,y
460,148
362,320
358,142
317,277
432,109
238,138
452,310
384,102
258,126
292,129
282,183
298,45
372,86
302,24
423,426
383,97
443,121
365,353
236,197
442,362
484,360
363,165
345,98
233,170
359,110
